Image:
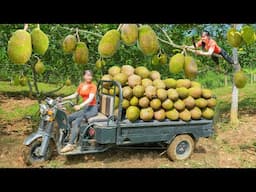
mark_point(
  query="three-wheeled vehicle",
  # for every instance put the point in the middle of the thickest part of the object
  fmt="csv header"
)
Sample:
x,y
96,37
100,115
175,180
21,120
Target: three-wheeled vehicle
x,y
110,129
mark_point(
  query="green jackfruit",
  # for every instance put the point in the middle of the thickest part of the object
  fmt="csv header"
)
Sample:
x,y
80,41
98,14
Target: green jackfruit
x,y
155,60
129,34
68,82
142,71
161,94
39,67
138,91
247,34
147,41
19,47
179,105
69,44
183,83
40,41
185,115
81,53
146,82
121,78
146,114
190,67
132,113
173,115
109,43
182,91
234,37
176,63
240,79
195,113
208,113
134,101
23,80
170,83
155,104
167,104
100,63
159,84
163,58
172,94
125,103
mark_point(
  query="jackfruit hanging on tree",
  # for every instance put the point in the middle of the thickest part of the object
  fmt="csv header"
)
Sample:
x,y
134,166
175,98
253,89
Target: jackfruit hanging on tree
x,y
69,44
247,34
19,47
176,63
234,37
240,79
190,67
81,53
129,34
39,67
147,41
40,41
109,43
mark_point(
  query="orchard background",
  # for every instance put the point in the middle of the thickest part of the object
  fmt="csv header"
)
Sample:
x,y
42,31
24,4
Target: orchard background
x,y
20,120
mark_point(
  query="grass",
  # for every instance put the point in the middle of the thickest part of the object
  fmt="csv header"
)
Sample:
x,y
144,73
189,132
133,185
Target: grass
x,y
12,90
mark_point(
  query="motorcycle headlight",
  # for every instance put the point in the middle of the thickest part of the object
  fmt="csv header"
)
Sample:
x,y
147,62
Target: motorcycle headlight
x,y
43,109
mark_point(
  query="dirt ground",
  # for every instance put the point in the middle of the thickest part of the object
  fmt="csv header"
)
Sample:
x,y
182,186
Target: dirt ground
x,y
227,148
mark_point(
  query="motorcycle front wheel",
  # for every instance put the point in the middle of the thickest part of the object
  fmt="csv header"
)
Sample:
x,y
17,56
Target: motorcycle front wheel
x,y
31,152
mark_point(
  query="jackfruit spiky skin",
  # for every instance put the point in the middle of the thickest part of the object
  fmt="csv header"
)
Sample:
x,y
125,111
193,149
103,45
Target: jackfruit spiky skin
x,y
109,43
40,41
176,63
20,47
129,34
69,44
240,79
147,41
81,53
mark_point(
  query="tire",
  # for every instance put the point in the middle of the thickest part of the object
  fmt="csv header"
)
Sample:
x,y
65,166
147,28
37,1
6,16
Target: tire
x,y
181,148
29,152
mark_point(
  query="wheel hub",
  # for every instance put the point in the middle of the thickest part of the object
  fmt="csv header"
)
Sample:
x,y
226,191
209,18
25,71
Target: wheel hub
x,y
37,152
182,147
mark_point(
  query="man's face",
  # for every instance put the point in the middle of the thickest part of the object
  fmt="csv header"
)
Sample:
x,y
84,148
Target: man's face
x,y
204,37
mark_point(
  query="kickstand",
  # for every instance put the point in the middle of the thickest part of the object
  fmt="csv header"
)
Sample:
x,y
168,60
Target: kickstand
x,y
161,154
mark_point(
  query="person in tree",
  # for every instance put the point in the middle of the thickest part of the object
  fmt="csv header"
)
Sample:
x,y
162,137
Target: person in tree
x,y
209,47
88,108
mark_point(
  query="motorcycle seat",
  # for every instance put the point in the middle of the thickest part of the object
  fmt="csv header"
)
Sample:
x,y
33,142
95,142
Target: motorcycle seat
x,y
100,117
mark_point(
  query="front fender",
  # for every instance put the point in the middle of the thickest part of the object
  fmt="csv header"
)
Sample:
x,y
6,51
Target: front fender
x,y
32,138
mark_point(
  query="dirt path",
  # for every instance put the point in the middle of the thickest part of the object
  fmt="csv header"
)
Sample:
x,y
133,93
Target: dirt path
x,y
228,148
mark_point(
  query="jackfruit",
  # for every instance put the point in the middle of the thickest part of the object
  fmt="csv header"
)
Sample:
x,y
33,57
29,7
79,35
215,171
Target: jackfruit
x,y
109,43
234,37
208,113
146,114
69,44
127,69
247,34
40,41
23,80
144,102
150,92
167,104
113,91
68,82
132,113
155,75
155,60
159,84
125,104
114,70
100,63
170,83
121,78
155,104
147,41
190,67
129,34
146,82
206,93
211,103
173,115
182,91
81,53
127,92
240,79
161,94
159,115
134,80
134,101
195,92
138,91
196,113
143,72
179,105
39,67
183,83
176,63
185,115
189,102
172,94
201,103
116,102
19,47
106,78
195,84
163,58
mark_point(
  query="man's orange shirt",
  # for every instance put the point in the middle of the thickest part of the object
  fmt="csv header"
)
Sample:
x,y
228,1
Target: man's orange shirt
x,y
84,90
211,44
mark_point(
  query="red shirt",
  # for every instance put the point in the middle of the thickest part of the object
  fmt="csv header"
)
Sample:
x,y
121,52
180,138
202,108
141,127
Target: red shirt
x,y
210,44
85,89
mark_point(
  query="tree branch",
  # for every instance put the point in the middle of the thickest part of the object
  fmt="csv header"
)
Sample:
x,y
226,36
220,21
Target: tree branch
x,y
170,42
53,91
82,31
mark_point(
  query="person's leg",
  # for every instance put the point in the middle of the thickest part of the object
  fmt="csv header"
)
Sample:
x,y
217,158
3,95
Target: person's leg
x,y
75,129
225,55
74,115
91,111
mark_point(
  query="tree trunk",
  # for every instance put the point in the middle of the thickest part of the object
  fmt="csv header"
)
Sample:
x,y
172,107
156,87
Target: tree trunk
x,y
234,105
